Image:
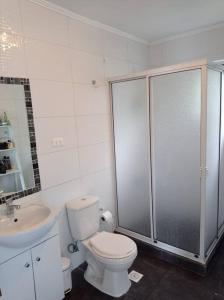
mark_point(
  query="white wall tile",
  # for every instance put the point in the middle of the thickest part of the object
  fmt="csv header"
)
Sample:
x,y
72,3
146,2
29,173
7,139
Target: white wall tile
x,y
85,37
102,185
115,46
13,64
58,167
49,128
116,67
138,53
156,56
10,11
62,56
93,129
51,98
44,24
87,67
208,44
138,68
94,158
48,61
91,100
57,196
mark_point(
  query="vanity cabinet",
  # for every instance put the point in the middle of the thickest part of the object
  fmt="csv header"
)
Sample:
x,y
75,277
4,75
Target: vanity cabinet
x,y
34,275
17,278
47,270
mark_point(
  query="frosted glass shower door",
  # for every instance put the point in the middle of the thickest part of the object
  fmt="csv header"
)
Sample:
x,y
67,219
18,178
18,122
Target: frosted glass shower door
x,y
175,105
212,156
131,136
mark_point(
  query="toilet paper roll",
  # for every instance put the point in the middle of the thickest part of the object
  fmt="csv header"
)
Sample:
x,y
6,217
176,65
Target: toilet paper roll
x,y
107,217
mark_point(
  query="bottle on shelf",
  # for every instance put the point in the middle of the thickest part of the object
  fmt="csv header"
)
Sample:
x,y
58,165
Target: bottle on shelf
x,y
10,144
3,145
5,119
2,167
7,162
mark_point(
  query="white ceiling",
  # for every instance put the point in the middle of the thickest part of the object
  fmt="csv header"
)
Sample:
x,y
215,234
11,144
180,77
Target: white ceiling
x,y
150,19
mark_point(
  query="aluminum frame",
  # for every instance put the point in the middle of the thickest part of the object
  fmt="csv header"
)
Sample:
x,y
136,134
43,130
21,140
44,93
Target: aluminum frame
x,y
203,66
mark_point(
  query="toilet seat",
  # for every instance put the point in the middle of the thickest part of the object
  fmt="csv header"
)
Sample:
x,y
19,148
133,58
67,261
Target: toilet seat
x,y
112,246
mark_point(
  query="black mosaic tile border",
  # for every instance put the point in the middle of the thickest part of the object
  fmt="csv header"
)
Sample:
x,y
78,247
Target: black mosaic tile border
x,y
26,85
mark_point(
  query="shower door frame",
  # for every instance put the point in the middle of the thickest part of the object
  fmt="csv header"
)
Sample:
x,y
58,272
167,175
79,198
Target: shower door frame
x,y
202,65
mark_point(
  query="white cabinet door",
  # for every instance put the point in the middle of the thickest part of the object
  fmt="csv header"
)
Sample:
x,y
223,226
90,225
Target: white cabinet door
x,y
47,270
16,278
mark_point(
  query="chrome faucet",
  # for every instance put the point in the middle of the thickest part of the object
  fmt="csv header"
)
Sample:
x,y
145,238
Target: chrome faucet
x,y
10,207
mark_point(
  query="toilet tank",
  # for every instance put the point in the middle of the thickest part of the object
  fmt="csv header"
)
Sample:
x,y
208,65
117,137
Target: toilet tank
x,y
83,217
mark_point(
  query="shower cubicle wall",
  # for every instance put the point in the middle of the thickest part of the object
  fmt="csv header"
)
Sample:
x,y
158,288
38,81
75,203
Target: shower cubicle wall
x,y
169,162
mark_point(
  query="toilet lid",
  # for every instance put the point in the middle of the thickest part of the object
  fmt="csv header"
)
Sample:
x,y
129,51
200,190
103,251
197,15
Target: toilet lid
x,y
112,245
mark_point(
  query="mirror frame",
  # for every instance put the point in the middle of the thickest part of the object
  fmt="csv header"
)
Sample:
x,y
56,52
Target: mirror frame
x,y
29,109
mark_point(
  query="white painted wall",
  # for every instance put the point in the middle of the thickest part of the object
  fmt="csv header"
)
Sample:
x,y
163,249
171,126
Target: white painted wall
x,y
62,56
208,44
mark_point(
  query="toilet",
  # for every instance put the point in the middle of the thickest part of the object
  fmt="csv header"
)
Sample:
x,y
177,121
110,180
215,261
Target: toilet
x,y
108,255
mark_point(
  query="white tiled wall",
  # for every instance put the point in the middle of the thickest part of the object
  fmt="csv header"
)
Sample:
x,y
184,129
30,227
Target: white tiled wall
x,y
208,44
62,57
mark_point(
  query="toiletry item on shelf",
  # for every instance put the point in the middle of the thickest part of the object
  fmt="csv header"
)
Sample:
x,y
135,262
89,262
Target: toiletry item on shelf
x,y
7,162
4,161
2,167
10,144
5,119
3,145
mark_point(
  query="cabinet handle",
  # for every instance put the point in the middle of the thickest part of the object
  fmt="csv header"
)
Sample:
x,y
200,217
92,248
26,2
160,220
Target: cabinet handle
x,y
27,265
38,259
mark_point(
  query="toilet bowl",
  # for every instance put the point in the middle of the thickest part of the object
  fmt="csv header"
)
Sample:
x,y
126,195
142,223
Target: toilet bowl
x,y
108,255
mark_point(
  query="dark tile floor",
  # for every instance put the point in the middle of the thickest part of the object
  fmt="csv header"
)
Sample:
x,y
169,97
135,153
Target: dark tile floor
x,y
161,281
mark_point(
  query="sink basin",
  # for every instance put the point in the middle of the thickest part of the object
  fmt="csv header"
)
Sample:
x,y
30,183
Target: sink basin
x,y
28,225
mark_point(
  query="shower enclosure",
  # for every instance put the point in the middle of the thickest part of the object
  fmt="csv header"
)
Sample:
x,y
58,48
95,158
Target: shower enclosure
x,y
169,162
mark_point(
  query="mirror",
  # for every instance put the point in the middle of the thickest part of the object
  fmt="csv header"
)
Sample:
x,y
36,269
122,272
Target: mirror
x,y
19,173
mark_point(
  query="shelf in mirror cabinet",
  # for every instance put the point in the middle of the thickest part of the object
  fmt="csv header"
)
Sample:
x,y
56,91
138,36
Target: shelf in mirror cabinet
x,y
10,172
7,150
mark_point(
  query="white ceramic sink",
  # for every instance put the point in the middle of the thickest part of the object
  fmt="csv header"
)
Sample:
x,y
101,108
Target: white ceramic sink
x,y
28,225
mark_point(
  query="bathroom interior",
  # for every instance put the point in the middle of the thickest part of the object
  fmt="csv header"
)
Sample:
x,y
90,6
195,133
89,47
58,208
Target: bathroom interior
x,y
111,149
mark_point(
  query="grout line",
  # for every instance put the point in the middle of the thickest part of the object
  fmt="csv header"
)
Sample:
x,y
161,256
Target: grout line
x,y
59,184
72,116
69,82
106,142
73,179
54,117
64,149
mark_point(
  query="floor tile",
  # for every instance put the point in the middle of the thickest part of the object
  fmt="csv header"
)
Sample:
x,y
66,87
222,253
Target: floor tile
x,y
161,281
